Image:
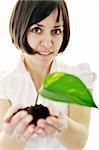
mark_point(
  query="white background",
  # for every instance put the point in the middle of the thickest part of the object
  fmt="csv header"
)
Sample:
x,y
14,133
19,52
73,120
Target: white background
x,y
83,47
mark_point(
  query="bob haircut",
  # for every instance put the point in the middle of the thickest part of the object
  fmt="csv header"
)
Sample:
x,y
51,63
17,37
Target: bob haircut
x,y
29,12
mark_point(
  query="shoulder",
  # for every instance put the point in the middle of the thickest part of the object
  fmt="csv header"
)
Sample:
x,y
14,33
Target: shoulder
x,y
15,71
11,80
82,70
74,69
7,74
86,74
63,66
5,77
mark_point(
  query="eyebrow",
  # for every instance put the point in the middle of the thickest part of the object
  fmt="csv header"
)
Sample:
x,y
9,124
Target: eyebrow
x,y
57,26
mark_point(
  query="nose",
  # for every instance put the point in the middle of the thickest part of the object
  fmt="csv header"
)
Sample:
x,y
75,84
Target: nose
x,y
46,40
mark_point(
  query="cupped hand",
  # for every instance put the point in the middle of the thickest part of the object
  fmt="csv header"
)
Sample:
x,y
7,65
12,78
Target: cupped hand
x,y
18,125
51,126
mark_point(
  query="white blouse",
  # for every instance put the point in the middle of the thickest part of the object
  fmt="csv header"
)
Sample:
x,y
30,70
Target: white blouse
x,y
17,86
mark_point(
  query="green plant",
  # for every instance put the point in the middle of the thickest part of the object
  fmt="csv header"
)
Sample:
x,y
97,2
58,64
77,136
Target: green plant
x,y
66,88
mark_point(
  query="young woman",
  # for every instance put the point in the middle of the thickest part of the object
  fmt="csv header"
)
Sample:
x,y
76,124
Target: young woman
x,y
40,29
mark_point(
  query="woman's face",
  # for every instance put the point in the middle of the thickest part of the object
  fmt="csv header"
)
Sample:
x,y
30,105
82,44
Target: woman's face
x,y
46,38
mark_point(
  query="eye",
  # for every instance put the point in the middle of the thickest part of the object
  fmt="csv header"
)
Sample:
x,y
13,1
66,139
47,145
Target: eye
x,y
57,31
36,30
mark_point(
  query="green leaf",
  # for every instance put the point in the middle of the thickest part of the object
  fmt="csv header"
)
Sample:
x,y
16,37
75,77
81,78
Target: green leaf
x,y
67,88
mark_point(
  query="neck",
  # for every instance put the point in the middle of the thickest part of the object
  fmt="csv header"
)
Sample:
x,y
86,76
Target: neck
x,y
37,72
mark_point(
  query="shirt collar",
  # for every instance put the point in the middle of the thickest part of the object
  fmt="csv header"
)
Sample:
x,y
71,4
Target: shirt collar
x,y
22,69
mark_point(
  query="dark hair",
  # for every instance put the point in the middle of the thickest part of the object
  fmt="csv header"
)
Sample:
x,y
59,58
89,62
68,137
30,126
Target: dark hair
x,y
29,12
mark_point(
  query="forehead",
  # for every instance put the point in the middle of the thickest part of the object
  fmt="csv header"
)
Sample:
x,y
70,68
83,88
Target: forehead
x,y
51,20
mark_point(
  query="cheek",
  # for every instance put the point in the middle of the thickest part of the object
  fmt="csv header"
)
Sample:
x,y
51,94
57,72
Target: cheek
x,y
58,43
32,41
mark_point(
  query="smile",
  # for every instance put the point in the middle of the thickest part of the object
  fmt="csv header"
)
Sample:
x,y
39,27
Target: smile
x,y
44,53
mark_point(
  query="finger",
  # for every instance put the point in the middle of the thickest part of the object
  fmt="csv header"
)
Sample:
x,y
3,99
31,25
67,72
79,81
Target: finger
x,y
11,111
51,130
41,132
18,117
28,133
40,128
48,129
21,127
9,127
41,123
54,123
58,123
53,110
35,135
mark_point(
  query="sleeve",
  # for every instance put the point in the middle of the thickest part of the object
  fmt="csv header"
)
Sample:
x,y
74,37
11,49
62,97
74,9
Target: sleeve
x,y
3,86
84,72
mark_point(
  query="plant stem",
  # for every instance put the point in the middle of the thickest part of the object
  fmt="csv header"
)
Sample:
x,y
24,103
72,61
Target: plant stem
x,y
36,99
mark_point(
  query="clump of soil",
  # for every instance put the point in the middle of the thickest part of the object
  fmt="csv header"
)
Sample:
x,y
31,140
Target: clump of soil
x,y
37,111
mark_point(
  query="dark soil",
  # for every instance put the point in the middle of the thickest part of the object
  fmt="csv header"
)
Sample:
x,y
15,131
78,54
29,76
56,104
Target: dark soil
x,y
37,111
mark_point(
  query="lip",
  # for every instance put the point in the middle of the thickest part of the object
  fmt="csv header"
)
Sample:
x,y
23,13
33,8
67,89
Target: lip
x,y
44,54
